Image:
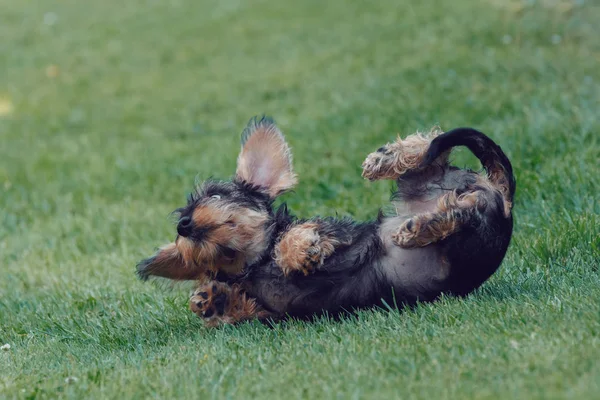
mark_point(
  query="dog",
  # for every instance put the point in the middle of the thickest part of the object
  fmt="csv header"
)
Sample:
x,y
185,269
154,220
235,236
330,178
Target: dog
x,y
448,234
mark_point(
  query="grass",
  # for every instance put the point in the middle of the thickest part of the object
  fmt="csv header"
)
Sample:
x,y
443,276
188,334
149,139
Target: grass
x,y
109,109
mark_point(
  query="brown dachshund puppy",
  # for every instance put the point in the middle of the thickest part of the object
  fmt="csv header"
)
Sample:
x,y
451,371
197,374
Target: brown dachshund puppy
x,y
450,232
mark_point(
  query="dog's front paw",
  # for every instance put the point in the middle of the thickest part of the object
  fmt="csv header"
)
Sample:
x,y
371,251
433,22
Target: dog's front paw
x,y
299,252
210,302
219,303
302,249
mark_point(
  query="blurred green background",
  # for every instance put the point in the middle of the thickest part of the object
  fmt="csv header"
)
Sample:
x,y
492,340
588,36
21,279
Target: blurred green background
x,y
110,110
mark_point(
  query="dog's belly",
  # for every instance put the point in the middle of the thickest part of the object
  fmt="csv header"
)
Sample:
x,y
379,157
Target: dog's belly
x,y
415,274
404,275
395,273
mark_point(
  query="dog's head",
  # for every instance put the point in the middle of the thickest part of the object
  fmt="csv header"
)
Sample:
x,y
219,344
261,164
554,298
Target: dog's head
x,y
225,224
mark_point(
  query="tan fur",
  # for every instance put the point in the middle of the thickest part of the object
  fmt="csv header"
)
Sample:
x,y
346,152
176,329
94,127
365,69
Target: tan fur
x,y
171,263
425,229
266,161
240,229
395,159
497,184
404,155
239,307
302,249
497,177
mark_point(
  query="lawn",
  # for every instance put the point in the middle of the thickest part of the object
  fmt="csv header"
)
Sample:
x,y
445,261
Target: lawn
x,y
110,110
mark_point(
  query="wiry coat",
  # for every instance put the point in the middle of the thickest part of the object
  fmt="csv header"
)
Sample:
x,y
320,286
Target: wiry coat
x,y
449,234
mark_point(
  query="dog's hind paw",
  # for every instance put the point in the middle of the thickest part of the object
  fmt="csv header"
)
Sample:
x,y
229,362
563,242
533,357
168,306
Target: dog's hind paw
x,y
380,164
407,235
404,237
396,159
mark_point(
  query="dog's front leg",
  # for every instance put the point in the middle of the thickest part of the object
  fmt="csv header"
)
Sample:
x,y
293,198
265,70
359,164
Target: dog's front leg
x,y
220,303
305,247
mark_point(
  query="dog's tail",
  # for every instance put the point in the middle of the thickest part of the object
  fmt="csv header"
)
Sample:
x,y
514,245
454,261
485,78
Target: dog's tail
x,y
493,159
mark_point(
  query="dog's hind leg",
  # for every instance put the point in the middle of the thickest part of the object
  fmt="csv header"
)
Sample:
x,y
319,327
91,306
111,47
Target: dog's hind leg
x,y
453,212
395,159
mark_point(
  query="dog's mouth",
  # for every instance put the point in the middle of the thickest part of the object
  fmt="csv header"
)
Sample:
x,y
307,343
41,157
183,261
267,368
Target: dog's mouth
x,y
230,261
228,254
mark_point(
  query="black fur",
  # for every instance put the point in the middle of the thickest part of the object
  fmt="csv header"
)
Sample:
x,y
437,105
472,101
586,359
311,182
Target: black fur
x,y
484,148
478,251
236,191
343,283
355,274
350,278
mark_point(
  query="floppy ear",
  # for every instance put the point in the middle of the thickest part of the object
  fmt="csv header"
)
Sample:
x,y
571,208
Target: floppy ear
x,y
169,263
265,160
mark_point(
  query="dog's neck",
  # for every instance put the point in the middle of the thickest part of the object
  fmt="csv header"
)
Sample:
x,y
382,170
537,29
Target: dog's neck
x,y
280,219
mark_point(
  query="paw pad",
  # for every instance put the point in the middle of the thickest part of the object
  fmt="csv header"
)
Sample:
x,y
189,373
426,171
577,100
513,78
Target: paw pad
x,y
405,236
210,301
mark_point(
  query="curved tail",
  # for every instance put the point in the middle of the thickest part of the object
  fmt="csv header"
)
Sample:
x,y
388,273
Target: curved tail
x,y
493,159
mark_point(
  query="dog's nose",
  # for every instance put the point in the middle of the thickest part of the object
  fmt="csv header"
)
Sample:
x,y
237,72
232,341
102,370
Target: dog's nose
x,y
184,227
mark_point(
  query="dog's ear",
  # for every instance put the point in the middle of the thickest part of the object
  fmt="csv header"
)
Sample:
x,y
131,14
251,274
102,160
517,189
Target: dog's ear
x,y
169,263
265,160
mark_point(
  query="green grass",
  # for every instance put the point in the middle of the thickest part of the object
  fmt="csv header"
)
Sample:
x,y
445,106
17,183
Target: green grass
x,y
110,109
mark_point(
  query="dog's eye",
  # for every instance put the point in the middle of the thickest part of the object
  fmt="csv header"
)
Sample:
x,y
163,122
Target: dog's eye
x,y
216,197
